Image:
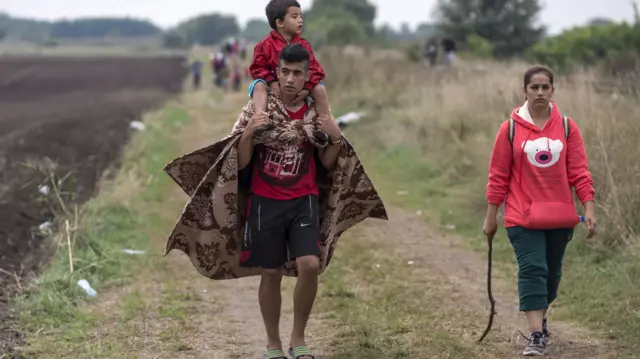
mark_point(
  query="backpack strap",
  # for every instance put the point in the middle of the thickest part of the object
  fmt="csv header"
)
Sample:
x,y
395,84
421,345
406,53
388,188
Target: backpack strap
x,y
512,130
565,125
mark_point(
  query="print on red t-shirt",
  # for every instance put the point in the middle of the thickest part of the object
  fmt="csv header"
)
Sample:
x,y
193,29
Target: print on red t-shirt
x,y
285,172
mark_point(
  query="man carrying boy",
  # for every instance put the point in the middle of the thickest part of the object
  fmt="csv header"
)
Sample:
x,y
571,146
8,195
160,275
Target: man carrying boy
x,y
283,215
285,18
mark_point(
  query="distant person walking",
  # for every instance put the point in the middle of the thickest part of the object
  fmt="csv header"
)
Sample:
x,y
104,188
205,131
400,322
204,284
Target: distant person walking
x,y
449,48
219,64
538,155
244,44
431,51
196,73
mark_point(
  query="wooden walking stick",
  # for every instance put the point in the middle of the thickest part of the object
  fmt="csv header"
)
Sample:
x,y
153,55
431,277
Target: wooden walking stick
x,y
491,300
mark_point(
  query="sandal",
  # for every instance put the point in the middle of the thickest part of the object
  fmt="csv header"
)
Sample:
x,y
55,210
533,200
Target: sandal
x,y
301,351
274,354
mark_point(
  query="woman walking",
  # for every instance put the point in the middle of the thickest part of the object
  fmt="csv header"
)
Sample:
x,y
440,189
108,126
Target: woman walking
x,y
538,155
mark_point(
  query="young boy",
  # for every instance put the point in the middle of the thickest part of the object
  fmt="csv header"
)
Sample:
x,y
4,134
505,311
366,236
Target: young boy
x,y
285,18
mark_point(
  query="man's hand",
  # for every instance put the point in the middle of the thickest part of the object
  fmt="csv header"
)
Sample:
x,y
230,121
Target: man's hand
x,y
275,87
329,125
257,121
301,96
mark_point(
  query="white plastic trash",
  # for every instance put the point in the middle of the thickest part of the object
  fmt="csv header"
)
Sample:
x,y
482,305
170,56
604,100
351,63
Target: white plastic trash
x,y
84,284
133,251
140,126
45,227
44,189
349,117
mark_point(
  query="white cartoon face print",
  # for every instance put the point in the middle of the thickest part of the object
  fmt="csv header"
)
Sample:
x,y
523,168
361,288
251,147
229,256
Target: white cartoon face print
x,y
543,152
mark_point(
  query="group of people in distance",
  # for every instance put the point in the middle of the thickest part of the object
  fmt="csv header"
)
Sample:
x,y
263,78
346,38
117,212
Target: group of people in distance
x,y
537,157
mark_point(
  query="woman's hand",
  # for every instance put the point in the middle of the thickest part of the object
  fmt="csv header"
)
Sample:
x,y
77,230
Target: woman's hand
x,y
490,226
590,218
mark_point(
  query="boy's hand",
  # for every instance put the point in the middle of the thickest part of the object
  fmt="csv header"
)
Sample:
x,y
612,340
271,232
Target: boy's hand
x,y
275,87
329,125
301,96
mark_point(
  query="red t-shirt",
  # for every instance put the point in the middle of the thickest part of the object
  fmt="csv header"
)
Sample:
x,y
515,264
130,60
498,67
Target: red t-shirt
x,y
285,172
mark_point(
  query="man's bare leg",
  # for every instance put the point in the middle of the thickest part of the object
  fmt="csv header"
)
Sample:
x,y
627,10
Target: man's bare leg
x,y
304,297
270,298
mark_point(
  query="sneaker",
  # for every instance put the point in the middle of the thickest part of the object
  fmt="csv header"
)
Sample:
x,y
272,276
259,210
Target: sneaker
x,y
536,345
546,336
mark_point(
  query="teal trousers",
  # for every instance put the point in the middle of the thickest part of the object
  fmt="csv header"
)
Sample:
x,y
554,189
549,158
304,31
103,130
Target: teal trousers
x,y
539,255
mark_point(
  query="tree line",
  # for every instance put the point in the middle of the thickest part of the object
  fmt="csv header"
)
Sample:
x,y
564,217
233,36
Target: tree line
x,y
487,28
39,31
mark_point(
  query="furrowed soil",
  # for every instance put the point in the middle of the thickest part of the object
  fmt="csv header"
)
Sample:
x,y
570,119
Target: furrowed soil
x,y
66,119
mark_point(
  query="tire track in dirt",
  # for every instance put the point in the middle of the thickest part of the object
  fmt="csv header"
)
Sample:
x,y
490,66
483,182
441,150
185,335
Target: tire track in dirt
x,y
463,273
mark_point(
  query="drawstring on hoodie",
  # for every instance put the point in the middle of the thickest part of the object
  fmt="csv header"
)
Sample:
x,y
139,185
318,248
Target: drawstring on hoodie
x,y
524,114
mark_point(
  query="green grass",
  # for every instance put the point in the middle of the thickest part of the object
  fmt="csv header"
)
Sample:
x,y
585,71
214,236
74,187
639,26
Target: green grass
x,y
390,311
600,288
121,217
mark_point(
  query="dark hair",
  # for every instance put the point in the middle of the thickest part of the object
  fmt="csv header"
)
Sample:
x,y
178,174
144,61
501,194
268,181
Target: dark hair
x,y
538,69
277,9
295,53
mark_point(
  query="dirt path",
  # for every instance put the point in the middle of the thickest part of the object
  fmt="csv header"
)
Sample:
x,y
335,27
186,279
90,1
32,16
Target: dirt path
x,y
442,257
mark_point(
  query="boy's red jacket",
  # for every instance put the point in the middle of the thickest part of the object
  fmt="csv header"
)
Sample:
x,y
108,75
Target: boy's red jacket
x,y
534,176
266,54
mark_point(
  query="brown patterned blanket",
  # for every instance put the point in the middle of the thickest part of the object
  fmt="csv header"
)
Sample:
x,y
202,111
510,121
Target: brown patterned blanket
x,y
210,226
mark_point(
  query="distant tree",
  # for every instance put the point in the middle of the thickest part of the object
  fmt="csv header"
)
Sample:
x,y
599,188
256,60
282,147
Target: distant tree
x,y
362,10
3,33
24,29
102,27
425,30
405,32
600,21
173,40
336,30
256,29
508,24
208,29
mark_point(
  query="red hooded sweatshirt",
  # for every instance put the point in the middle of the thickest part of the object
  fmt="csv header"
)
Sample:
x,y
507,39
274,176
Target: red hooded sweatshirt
x,y
534,176
266,55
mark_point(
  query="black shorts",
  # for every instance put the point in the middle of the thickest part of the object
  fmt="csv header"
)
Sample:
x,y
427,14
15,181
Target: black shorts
x,y
277,231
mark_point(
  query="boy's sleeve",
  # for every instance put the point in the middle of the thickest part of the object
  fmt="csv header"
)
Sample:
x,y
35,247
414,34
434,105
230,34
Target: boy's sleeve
x,y
259,68
317,73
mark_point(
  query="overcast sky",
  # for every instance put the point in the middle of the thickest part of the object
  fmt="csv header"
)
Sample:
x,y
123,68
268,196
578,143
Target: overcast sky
x,y
557,15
